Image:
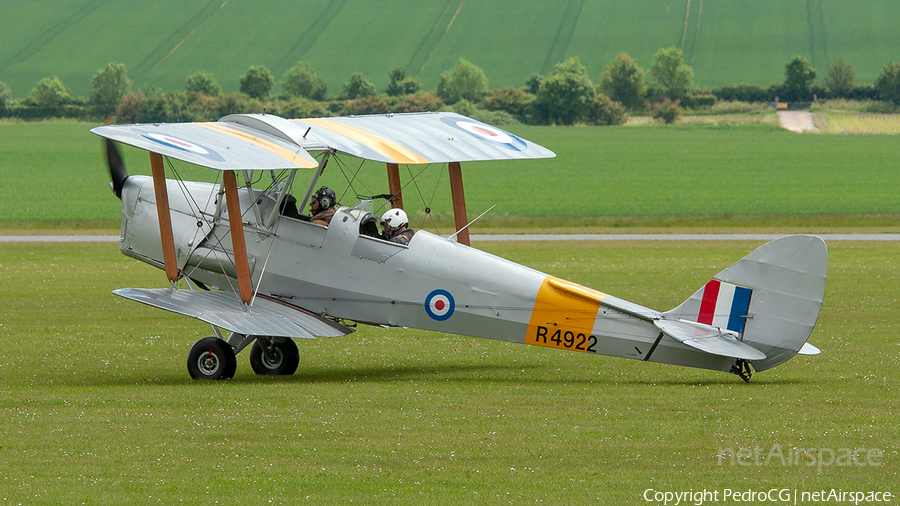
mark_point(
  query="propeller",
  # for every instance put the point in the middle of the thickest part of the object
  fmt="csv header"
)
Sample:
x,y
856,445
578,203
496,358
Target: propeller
x,y
117,171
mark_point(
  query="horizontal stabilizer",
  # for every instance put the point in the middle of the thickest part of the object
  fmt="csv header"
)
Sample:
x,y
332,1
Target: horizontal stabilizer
x,y
267,317
809,349
709,339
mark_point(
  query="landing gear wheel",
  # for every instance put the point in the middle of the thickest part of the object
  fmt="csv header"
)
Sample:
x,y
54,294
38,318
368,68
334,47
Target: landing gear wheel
x,y
284,357
211,358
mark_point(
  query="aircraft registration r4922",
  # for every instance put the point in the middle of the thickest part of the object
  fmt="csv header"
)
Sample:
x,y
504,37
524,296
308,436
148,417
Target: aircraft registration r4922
x,y
243,260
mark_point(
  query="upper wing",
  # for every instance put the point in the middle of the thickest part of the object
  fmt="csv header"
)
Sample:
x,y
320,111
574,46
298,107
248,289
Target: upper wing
x,y
216,145
223,309
265,141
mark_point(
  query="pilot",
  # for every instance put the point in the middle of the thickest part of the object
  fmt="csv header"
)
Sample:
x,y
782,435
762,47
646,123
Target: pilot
x,y
322,206
394,226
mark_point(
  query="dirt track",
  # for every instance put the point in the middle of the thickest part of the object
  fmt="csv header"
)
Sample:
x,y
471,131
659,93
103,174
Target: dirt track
x,y
797,121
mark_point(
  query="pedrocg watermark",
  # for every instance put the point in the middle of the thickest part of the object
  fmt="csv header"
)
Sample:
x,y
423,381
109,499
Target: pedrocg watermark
x,y
778,455
774,495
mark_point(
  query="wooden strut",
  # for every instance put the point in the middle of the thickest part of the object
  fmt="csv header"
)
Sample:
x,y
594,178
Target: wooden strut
x,y
459,203
165,220
393,171
238,243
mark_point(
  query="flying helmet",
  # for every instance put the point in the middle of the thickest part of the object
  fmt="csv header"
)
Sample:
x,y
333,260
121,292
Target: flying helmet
x,y
325,197
394,219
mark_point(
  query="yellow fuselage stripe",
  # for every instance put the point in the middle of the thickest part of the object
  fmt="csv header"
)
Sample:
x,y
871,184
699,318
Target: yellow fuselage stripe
x,y
564,315
388,148
296,159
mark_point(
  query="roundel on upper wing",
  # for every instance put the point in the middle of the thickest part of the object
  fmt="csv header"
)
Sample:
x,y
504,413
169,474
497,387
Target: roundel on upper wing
x,y
486,132
439,305
182,144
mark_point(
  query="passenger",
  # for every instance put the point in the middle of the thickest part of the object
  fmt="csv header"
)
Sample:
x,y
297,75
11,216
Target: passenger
x,y
393,224
322,206
289,207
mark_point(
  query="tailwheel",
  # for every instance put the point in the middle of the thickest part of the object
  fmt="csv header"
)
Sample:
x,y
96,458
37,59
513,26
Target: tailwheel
x,y
211,358
274,357
742,369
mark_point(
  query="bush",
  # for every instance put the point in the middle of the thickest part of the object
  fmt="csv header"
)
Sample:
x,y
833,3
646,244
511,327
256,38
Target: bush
x,y
668,111
888,83
623,81
5,97
565,96
464,81
741,92
366,105
699,101
498,118
358,87
203,82
606,111
257,82
302,81
511,100
421,102
107,88
128,108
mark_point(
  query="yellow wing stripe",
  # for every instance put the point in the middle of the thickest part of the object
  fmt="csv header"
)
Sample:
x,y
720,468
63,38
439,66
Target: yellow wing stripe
x,y
296,159
388,148
564,315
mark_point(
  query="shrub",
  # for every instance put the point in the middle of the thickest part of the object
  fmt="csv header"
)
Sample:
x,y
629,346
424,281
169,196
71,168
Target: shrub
x,y
741,92
606,111
203,82
128,108
511,100
302,81
421,102
108,86
566,95
366,105
257,82
464,81
357,87
623,81
668,111
887,84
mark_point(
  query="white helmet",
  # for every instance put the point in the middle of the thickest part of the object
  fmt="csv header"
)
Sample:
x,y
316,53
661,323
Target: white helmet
x,y
394,219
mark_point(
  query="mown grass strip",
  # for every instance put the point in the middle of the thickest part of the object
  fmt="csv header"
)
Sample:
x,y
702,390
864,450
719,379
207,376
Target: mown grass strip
x,y
97,405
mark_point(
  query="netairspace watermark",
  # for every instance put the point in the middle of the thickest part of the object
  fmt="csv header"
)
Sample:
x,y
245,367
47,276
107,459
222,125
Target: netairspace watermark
x,y
775,495
778,455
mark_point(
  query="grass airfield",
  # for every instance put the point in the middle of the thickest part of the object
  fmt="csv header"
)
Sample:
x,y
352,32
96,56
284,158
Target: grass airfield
x,y
97,406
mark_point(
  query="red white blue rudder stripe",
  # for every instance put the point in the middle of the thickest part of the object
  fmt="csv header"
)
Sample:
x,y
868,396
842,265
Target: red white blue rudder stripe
x,y
724,305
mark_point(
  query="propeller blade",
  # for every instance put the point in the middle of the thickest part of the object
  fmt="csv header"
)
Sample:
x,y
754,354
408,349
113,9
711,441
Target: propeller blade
x,y
117,171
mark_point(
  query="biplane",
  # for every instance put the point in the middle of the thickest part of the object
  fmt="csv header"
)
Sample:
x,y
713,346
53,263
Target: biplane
x,y
263,277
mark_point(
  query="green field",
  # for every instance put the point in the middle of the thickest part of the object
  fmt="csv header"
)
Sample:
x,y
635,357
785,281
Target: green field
x,y
55,174
163,42
97,406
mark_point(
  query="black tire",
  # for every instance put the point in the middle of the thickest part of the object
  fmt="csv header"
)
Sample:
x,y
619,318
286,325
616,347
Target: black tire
x,y
211,358
286,358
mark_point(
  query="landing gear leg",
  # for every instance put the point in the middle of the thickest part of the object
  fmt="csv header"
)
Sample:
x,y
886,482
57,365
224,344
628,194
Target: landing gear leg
x,y
742,369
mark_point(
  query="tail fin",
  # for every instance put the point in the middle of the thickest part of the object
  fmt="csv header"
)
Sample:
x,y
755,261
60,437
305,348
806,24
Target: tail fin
x,y
771,297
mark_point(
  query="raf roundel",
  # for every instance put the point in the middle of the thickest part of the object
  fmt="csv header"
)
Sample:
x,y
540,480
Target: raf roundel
x,y
183,145
487,133
439,305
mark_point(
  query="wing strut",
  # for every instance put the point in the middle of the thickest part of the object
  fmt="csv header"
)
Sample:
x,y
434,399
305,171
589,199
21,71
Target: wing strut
x,y
459,203
165,221
237,237
394,187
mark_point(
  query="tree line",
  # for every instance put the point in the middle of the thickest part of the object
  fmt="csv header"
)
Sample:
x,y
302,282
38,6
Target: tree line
x,y
566,96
